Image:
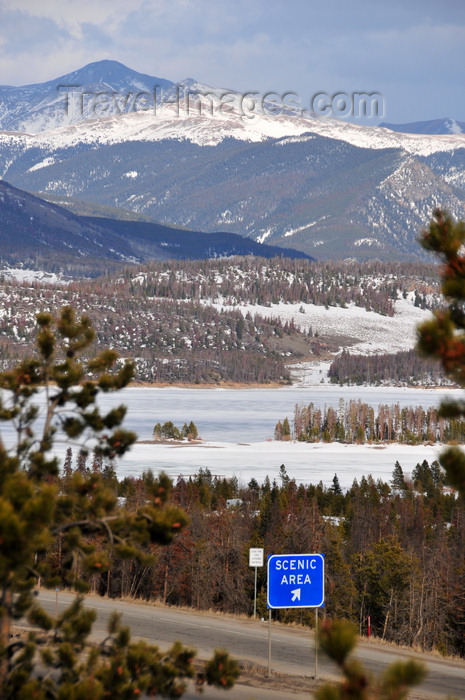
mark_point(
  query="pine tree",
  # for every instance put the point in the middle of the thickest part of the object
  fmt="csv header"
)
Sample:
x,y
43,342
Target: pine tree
x,y
437,474
336,487
35,511
192,432
443,337
422,477
284,476
398,479
278,431
338,639
286,429
68,463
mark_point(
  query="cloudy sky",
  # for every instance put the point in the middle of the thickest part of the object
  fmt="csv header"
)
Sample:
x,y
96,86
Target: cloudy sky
x,y
412,52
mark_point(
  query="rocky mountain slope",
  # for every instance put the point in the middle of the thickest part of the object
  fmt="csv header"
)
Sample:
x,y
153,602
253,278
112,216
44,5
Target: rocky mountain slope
x,y
199,157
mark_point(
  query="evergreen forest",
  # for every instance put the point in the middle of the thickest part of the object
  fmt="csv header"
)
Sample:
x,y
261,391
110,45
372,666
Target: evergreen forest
x,y
395,552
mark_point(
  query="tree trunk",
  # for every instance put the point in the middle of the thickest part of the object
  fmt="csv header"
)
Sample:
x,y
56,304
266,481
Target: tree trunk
x,y
165,584
386,619
5,631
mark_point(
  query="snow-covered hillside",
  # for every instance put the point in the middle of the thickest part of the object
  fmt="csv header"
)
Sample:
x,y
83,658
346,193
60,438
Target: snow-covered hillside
x,y
210,129
327,188
365,332
240,320
358,330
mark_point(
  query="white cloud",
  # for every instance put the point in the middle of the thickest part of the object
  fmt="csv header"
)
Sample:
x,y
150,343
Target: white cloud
x,y
404,50
69,14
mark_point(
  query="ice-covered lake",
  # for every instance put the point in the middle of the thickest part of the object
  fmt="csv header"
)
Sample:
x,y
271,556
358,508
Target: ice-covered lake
x,y
237,427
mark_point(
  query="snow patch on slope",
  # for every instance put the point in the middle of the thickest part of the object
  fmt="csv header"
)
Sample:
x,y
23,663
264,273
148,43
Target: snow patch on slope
x,y
30,276
370,332
291,231
42,164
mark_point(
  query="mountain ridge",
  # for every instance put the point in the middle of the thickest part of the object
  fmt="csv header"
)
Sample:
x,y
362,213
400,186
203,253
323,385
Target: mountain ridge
x,y
446,125
331,189
33,231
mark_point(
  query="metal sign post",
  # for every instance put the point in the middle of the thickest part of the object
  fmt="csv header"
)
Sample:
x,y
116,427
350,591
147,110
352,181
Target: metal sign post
x,y
316,643
296,581
255,596
255,560
269,642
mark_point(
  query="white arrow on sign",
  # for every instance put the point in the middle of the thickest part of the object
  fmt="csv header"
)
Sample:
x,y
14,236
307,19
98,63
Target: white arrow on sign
x,y
296,594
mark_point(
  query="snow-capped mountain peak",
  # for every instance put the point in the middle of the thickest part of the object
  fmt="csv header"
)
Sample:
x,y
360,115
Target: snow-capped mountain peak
x,y
106,97
97,89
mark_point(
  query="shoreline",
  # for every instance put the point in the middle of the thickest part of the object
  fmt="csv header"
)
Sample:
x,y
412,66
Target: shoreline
x,y
278,385
219,385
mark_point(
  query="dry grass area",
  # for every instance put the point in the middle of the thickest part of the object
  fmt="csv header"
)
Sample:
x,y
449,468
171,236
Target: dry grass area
x,y
256,676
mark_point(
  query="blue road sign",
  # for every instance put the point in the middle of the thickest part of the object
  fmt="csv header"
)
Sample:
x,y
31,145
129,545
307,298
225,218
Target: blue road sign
x,y
296,581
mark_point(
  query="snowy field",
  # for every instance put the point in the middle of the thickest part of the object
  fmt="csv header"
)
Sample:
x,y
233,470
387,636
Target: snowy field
x,y
306,463
31,276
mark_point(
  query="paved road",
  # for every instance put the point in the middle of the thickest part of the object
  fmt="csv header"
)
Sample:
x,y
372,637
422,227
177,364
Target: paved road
x,y
292,650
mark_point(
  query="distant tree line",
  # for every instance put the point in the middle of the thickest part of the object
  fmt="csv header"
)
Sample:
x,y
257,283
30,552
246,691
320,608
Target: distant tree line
x,y
373,285
405,367
358,422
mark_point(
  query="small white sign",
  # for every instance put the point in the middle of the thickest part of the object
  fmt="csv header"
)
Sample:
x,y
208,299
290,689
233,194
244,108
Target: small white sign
x,y
256,557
